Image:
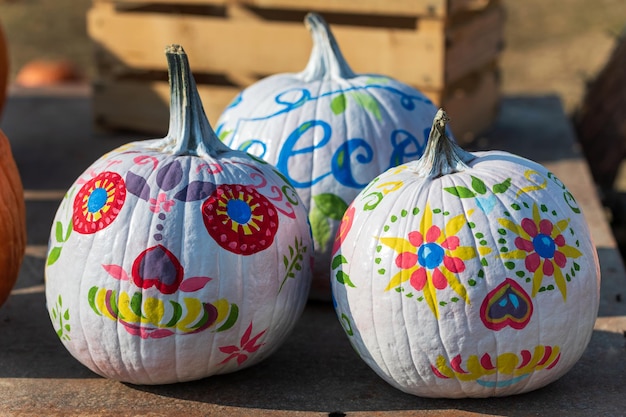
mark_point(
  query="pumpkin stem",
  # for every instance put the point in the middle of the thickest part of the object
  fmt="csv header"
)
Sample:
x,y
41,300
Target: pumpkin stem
x,y
326,61
442,155
190,132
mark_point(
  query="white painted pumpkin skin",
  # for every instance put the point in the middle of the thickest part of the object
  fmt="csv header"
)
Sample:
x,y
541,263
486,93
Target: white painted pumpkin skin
x,y
330,132
175,259
466,274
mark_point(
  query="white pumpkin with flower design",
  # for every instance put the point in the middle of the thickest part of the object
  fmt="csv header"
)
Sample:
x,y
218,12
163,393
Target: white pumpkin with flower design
x,y
466,274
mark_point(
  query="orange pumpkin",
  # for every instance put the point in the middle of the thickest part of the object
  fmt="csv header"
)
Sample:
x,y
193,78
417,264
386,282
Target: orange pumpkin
x,y
4,69
47,72
12,220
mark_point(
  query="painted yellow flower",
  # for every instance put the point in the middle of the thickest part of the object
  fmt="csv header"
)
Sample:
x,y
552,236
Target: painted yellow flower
x,y
431,258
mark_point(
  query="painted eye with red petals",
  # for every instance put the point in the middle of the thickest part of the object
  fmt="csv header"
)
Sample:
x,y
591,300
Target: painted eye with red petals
x,y
98,202
240,219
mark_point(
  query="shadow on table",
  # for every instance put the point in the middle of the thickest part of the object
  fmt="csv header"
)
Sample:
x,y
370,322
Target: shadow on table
x,y
29,346
534,127
317,370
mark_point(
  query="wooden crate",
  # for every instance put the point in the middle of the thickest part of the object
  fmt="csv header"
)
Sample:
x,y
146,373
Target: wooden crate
x,y
437,46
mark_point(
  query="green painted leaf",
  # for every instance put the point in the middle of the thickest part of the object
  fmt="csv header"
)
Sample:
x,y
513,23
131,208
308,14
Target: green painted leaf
x,y
368,102
135,304
331,205
304,126
478,185
348,326
460,191
70,227
338,260
58,232
320,228
91,298
176,315
338,104
203,321
54,254
502,187
344,279
224,134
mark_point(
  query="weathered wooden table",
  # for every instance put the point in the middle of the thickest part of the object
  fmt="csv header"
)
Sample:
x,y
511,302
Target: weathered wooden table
x,y
315,372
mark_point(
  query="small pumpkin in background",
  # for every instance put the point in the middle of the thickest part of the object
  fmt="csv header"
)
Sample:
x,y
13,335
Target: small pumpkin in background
x,y
330,131
466,274
4,69
12,220
47,72
178,258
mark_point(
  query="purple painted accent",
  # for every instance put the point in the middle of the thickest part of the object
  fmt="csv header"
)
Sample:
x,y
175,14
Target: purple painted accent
x,y
196,190
137,185
169,176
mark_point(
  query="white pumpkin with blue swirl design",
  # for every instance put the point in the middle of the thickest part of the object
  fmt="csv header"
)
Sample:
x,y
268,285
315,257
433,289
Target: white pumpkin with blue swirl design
x,y
330,131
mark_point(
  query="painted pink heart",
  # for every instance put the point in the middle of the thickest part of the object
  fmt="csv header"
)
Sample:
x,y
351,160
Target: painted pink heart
x,y
158,267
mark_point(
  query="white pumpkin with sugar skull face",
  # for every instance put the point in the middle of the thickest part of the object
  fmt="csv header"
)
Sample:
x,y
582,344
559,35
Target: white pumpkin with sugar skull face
x,y
466,274
175,259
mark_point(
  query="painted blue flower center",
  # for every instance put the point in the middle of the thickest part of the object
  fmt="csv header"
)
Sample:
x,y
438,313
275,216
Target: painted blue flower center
x,y
239,211
97,199
544,245
430,255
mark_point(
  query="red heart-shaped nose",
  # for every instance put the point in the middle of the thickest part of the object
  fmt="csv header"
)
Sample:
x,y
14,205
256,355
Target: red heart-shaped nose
x,y
158,267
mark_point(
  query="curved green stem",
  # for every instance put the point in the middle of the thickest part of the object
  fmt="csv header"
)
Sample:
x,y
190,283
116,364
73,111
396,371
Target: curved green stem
x,y
442,155
326,61
190,132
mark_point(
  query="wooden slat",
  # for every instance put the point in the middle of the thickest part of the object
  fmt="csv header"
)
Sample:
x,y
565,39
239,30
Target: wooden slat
x,y
433,8
252,48
218,45
144,106
473,43
472,104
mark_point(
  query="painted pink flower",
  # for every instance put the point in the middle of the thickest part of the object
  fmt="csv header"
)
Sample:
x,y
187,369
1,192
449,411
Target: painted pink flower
x,y
542,246
246,345
430,258
161,203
